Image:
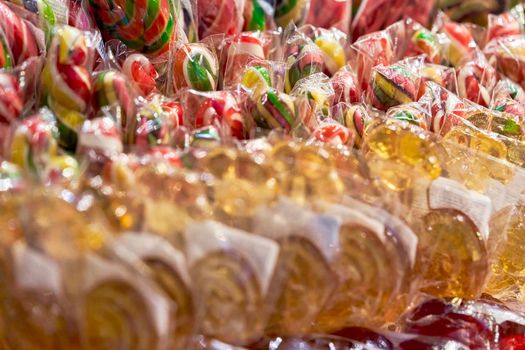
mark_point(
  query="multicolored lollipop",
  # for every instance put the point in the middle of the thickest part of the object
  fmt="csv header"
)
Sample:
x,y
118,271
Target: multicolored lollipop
x,y
291,11
196,67
112,89
148,26
275,110
141,71
219,17
66,82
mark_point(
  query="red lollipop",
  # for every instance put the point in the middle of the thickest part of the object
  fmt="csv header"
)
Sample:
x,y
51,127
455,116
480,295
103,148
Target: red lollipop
x,y
218,17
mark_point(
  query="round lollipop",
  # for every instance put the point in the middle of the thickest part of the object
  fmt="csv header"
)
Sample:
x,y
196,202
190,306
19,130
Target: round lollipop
x,y
356,119
462,45
148,26
196,67
345,85
476,79
20,41
291,11
222,110
66,82
275,110
245,50
256,13
307,61
218,17
141,71
333,53
427,43
333,134
113,89
256,79
34,142
393,85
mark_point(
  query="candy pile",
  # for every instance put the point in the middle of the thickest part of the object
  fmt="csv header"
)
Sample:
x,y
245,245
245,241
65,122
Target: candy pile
x,y
250,174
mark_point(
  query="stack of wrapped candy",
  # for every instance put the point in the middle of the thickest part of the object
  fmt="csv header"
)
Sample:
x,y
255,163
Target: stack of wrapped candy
x,y
261,175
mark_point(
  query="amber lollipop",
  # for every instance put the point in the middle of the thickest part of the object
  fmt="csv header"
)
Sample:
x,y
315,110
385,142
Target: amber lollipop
x,y
168,268
231,274
305,280
114,304
452,256
370,268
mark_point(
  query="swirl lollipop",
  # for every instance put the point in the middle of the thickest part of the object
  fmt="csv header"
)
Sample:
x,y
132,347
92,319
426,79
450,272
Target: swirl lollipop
x,y
19,41
66,82
275,110
291,11
112,88
141,71
218,17
195,67
147,26
34,142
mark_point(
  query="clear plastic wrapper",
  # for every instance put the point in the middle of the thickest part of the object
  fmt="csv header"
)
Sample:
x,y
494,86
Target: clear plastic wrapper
x,y
139,70
371,16
346,86
317,89
508,97
458,42
441,75
506,24
384,47
457,213
354,117
507,55
303,58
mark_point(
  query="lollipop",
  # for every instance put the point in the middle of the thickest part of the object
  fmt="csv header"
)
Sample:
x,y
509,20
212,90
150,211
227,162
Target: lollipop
x,y
34,142
392,86
19,42
99,140
195,67
333,134
245,50
275,110
6,61
508,97
148,27
426,42
509,55
221,110
141,71
291,11
256,80
476,79
257,14
333,53
219,17
461,46
329,14
356,119
66,81
345,86
155,123
409,113
503,25
112,88
307,61
11,102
